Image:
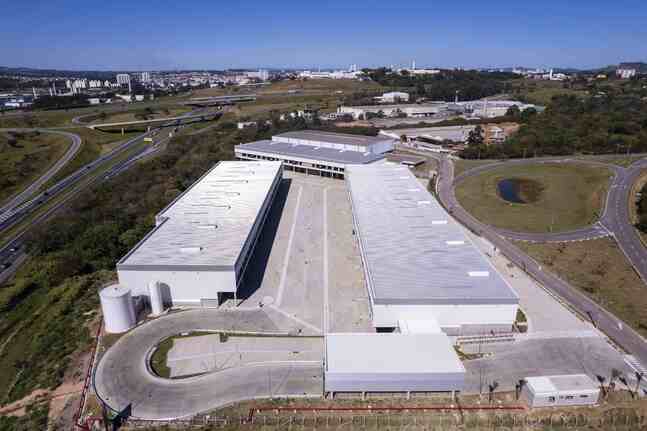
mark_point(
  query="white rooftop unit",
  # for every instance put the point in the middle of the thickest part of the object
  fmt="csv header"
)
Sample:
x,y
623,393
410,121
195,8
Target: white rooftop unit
x,y
563,390
203,240
393,362
117,308
418,261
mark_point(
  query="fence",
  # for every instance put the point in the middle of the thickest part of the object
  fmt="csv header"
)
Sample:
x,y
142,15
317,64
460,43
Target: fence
x,y
410,422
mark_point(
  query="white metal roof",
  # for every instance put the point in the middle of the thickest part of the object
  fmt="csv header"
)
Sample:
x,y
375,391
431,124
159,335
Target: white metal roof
x,y
207,226
315,154
373,353
314,137
413,251
562,383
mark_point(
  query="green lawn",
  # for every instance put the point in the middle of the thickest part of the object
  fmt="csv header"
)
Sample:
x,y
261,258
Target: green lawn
x,y
63,117
463,165
26,156
572,196
600,269
138,114
541,92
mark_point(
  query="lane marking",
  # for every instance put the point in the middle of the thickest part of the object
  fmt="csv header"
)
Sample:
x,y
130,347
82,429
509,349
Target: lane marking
x,y
325,260
295,318
288,251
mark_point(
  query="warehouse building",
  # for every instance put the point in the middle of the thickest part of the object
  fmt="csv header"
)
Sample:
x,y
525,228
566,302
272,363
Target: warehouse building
x,y
202,241
318,153
418,262
422,110
392,363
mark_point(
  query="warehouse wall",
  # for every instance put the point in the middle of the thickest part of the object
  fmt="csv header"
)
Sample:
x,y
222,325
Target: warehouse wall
x,y
388,382
250,242
468,318
183,287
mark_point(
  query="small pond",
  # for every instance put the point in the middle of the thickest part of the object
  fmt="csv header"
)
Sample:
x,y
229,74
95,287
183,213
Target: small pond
x,y
519,190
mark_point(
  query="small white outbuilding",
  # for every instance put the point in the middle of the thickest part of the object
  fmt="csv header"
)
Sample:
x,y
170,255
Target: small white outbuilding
x,y
564,390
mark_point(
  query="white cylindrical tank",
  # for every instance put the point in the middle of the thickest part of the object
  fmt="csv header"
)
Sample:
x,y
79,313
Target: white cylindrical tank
x,y
118,309
155,294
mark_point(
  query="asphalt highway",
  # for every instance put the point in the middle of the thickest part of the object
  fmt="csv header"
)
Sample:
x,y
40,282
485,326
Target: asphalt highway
x,y
14,215
53,170
616,214
12,253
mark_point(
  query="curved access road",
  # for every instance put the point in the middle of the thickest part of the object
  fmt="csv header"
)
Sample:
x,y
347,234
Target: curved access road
x,y
618,220
614,221
123,380
594,231
53,170
616,211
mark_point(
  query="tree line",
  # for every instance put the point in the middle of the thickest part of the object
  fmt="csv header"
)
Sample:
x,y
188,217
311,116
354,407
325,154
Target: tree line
x,y
446,84
597,124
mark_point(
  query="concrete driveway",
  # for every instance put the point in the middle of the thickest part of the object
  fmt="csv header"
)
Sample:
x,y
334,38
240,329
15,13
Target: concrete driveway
x,y
123,380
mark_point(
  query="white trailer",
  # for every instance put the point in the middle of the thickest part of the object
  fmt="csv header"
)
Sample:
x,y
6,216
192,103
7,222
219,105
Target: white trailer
x,y
558,391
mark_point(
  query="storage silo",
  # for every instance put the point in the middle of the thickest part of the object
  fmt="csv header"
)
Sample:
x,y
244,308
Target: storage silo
x,y
118,309
155,295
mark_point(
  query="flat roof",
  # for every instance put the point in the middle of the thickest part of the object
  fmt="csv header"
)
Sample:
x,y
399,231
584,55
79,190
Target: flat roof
x,y
334,138
309,152
453,133
373,353
561,383
406,159
206,227
413,251
426,105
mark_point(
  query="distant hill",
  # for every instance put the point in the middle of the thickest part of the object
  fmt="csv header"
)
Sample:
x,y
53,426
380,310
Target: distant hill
x,y
30,72
638,65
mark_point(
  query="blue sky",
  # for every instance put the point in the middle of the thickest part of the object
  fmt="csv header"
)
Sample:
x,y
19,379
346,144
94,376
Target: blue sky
x,y
141,35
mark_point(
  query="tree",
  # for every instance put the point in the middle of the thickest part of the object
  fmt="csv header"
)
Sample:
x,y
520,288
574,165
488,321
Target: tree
x,y
527,114
513,111
475,137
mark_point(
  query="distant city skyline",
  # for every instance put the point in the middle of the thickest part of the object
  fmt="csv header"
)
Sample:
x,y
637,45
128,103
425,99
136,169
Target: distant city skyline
x,y
207,35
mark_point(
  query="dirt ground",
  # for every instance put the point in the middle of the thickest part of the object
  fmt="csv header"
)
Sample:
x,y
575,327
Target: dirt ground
x,y
63,400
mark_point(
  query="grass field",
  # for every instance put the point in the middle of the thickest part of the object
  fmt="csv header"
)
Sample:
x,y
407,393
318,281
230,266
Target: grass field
x,y
296,88
24,157
463,165
573,196
151,113
63,117
600,269
618,412
623,160
541,92
37,335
